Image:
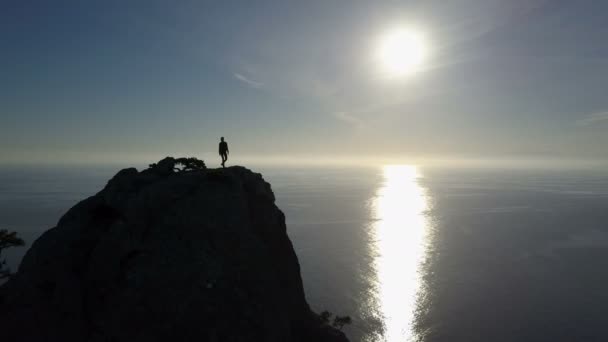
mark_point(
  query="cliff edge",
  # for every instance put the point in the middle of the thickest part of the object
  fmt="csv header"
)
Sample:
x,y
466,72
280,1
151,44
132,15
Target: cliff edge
x,y
161,255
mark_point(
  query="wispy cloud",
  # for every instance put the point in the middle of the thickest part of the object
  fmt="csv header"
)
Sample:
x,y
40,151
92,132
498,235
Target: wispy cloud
x,y
346,117
251,83
593,119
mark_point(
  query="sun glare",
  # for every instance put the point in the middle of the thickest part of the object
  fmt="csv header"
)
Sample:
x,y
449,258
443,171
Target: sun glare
x,y
402,52
401,232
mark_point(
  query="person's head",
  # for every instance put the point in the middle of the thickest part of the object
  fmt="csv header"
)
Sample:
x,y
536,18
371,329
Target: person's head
x,y
222,138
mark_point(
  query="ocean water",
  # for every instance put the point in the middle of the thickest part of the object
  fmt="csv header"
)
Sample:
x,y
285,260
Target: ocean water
x,y
412,253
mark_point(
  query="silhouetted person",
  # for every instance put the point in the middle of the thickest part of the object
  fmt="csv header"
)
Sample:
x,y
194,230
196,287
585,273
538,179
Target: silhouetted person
x,y
224,151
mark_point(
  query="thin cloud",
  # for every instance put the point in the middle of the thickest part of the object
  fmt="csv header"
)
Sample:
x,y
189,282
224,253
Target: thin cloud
x,y
251,83
346,117
593,119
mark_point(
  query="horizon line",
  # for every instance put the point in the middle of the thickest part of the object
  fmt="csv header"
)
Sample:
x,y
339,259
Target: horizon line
x,y
330,161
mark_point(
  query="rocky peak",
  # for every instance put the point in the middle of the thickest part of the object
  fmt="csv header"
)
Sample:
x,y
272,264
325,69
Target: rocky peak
x,y
167,253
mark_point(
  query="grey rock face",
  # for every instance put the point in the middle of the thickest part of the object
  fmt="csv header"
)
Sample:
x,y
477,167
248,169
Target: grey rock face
x,y
163,256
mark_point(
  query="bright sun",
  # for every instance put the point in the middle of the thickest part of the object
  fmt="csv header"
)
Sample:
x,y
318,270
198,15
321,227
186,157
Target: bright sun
x,y
402,52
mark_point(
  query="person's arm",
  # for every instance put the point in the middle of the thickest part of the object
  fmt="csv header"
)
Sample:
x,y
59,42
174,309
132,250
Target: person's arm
x,y
227,150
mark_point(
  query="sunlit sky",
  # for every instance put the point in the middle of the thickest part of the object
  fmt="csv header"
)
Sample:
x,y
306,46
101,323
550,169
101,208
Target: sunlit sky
x,y
121,80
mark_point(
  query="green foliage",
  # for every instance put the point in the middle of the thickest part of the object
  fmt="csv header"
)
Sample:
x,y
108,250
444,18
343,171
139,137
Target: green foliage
x,y
339,321
7,240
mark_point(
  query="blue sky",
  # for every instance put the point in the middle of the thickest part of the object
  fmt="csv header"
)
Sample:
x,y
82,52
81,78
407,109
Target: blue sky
x,y
126,80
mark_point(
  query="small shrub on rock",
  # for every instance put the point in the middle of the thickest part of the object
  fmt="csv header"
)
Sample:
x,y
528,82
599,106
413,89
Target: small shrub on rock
x,y
7,240
170,165
339,321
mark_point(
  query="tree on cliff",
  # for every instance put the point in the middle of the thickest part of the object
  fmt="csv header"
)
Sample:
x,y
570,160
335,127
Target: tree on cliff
x,y
7,240
170,165
339,321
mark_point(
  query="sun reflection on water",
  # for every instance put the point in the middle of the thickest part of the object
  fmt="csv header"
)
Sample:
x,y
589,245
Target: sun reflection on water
x,y
400,231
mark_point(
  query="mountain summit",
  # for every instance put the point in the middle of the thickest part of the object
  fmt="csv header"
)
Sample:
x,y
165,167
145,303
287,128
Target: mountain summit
x,y
165,254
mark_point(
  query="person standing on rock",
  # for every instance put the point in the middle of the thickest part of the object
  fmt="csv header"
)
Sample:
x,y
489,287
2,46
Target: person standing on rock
x,y
224,151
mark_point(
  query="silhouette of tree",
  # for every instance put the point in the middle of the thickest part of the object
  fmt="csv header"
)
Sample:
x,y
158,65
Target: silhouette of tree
x,y
7,240
339,321
190,164
325,316
170,165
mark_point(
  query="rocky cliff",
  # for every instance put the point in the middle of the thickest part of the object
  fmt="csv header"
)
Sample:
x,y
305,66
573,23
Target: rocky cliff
x,y
160,255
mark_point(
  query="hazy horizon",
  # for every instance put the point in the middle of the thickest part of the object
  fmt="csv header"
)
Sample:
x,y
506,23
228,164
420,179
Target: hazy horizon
x,y
260,162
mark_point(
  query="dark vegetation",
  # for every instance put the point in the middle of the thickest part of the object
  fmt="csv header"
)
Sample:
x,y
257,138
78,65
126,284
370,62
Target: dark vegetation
x,y
339,321
179,164
7,240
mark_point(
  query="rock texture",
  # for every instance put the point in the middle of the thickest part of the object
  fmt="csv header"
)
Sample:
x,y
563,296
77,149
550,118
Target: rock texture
x,y
160,255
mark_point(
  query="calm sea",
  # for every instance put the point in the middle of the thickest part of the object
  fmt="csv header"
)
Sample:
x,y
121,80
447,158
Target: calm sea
x,y
413,253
